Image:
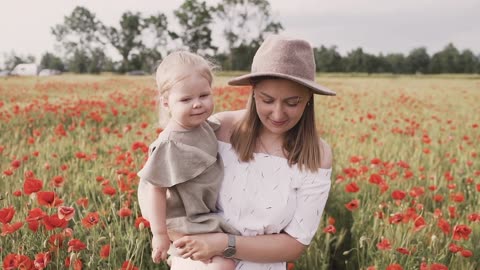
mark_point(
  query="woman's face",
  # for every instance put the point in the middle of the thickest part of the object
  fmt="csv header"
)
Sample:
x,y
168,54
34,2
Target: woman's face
x,y
280,104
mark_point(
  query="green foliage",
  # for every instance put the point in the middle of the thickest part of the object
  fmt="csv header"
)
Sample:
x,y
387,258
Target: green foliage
x,y
51,61
195,18
12,60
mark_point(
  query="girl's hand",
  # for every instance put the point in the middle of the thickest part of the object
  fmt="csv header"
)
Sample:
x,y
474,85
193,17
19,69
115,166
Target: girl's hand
x,y
201,247
160,245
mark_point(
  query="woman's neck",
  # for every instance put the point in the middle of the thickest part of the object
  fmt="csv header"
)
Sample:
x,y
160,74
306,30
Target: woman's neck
x,y
270,143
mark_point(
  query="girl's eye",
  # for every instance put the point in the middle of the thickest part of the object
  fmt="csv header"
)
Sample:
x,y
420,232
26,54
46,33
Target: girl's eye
x,y
204,95
185,100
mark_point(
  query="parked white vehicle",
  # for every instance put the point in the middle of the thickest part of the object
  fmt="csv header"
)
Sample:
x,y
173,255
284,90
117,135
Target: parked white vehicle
x,y
49,72
25,70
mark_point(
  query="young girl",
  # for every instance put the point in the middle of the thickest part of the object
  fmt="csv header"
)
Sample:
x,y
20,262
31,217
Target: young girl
x,y
180,181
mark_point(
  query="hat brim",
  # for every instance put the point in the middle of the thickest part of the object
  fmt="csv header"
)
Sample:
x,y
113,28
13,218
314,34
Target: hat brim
x,y
315,87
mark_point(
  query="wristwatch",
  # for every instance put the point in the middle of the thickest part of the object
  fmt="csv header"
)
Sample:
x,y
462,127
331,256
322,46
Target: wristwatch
x,y
230,250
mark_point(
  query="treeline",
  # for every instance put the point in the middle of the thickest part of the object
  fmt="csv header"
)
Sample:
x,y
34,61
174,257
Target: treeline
x,y
83,42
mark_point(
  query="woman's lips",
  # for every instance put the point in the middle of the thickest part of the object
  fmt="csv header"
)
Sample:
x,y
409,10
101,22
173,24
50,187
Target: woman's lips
x,y
278,123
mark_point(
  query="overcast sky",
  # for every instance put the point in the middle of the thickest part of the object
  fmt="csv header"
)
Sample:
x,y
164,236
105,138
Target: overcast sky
x,y
378,26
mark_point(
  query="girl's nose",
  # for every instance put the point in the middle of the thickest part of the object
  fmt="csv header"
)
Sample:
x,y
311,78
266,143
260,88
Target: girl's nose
x,y
197,105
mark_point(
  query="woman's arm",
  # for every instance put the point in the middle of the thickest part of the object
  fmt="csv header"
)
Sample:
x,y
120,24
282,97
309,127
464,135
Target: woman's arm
x,y
261,248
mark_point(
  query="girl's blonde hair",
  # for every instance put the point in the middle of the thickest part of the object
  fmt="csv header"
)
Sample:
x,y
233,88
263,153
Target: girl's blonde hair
x,y
301,142
175,67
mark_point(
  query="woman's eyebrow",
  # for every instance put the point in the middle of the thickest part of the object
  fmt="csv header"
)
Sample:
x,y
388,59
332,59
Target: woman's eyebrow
x,y
268,96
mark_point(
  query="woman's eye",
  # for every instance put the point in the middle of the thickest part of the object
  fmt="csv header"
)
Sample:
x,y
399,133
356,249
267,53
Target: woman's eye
x,y
292,104
268,101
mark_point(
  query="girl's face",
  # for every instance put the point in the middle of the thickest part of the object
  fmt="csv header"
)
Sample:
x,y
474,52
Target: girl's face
x,y
280,104
190,101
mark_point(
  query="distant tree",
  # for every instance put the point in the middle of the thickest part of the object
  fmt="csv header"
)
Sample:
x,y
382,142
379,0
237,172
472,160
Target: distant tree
x,y
328,59
446,61
246,22
156,34
397,63
355,61
195,18
127,37
418,60
81,30
82,36
88,62
467,62
51,61
12,60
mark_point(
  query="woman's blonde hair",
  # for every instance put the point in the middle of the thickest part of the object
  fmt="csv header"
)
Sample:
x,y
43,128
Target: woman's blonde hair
x,y
175,67
301,142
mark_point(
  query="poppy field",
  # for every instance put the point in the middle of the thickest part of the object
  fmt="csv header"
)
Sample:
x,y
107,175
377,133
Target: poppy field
x,y
405,186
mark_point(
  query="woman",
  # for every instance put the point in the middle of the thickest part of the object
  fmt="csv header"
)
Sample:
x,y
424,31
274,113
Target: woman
x,y
277,170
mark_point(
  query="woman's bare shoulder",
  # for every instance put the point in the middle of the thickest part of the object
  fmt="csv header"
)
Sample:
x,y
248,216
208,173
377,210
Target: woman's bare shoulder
x,y
327,155
227,120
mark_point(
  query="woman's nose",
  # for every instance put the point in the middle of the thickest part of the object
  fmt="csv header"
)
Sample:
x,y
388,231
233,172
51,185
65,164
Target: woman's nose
x,y
277,112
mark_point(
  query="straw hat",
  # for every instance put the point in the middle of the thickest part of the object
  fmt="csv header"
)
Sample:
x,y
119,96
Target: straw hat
x,y
286,58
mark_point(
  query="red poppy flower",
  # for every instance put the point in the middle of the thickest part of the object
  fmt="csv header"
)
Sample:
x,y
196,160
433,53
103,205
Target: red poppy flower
x,y
403,250
11,228
34,216
90,220
352,187
83,202
42,260
105,251
384,244
66,212
461,232
375,179
57,181
77,264
17,193
398,194
394,266
56,241
6,214
141,220
53,221
32,185
17,261
438,198
127,265
474,217
438,266
416,192
330,229
352,205
124,212
76,245
419,224
457,197
454,248
396,218
48,198
7,172
444,225
466,253
109,190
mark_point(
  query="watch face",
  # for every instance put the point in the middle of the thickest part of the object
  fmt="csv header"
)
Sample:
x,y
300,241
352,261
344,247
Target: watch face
x,y
229,252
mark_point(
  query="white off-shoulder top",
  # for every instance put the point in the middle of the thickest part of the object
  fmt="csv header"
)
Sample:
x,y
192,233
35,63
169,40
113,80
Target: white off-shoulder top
x,y
267,196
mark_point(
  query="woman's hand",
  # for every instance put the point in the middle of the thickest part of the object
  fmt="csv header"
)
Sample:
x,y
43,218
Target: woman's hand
x,y
201,247
160,245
